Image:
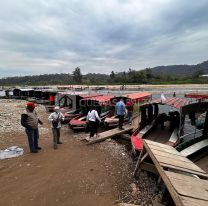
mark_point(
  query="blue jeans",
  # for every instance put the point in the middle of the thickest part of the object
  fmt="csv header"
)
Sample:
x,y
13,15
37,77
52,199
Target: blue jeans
x,y
33,136
130,114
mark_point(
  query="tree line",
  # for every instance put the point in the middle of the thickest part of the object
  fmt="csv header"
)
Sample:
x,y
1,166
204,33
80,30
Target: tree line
x,y
131,76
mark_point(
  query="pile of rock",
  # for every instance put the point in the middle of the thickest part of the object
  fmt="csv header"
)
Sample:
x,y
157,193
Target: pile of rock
x,y
10,115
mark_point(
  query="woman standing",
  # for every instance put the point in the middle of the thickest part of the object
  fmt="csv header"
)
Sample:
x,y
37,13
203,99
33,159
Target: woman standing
x,y
92,118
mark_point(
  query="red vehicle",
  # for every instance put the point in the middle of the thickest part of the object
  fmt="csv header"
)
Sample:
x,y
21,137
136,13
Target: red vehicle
x,y
136,98
102,105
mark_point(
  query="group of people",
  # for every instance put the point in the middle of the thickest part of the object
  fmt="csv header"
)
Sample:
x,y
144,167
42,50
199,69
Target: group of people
x,y
93,118
30,120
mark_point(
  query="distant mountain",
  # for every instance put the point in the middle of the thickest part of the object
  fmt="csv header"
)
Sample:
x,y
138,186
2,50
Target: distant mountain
x,y
182,70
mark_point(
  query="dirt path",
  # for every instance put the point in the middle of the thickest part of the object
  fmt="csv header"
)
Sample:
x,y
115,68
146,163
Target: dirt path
x,y
75,174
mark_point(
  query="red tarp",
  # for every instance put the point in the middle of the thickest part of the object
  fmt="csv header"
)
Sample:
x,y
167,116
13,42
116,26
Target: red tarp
x,y
173,102
139,96
197,95
101,99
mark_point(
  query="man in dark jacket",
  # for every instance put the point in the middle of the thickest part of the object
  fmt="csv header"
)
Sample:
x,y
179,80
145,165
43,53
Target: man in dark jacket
x,y
29,120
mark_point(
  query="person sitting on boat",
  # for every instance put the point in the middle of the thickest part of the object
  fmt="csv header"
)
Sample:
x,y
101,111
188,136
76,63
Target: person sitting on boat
x,y
120,112
92,120
129,107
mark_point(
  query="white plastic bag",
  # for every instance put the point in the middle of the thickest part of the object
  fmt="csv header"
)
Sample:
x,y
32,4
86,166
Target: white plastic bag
x,y
10,152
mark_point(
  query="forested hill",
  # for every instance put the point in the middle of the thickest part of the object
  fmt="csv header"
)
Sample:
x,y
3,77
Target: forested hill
x,y
184,70
157,75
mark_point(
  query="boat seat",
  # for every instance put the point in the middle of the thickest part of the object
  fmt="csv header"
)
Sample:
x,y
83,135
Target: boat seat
x,y
195,148
174,136
188,143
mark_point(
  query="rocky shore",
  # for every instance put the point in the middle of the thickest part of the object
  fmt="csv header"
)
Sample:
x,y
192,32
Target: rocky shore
x,y
118,165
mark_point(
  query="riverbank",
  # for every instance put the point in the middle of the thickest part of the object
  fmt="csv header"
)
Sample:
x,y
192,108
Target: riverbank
x,y
75,174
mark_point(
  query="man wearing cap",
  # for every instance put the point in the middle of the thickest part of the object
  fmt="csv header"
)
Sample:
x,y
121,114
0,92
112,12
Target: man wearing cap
x,y
55,118
29,120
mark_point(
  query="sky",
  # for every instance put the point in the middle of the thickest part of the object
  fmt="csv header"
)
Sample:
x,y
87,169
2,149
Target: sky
x,y
56,36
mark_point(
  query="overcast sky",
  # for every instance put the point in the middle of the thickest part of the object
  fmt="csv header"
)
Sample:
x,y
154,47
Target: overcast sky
x,y
55,36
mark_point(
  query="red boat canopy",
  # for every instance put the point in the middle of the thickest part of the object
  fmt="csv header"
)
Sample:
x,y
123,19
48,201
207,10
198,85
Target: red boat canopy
x,y
139,96
173,102
197,95
85,96
100,99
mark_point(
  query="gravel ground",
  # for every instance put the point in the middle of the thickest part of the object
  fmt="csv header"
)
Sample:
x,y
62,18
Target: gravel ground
x,y
138,191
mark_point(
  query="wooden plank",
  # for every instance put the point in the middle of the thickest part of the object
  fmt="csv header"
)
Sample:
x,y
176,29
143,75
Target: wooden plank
x,y
150,143
193,187
176,198
148,167
179,200
177,163
187,201
194,148
186,178
171,156
180,169
168,150
174,136
110,133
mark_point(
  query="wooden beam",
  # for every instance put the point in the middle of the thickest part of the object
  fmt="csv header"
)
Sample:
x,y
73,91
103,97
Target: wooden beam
x,y
148,167
110,133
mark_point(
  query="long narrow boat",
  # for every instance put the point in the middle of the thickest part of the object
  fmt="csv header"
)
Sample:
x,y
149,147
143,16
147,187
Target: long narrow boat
x,y
197,95
69,102
102,105
169,120
136,98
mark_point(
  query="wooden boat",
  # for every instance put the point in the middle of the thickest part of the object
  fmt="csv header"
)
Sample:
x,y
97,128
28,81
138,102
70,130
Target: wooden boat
x,y
102,105
136,98
68,102
171,122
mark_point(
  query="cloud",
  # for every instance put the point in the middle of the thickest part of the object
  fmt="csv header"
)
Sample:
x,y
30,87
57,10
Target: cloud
x,y
42,36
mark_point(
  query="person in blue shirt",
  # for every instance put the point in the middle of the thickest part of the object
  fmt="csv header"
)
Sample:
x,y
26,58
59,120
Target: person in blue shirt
x,y
120,112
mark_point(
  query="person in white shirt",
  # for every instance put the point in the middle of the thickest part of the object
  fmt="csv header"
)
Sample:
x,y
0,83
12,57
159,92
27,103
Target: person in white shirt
x,y
163,98
92,118
55,118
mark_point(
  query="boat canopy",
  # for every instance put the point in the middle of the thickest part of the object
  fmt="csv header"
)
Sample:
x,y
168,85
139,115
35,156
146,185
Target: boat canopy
x,y
194,108
100,99
173,102
197,95
139,96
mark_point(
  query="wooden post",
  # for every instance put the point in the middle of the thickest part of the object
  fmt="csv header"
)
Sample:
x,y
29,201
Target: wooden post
x,y
138,162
